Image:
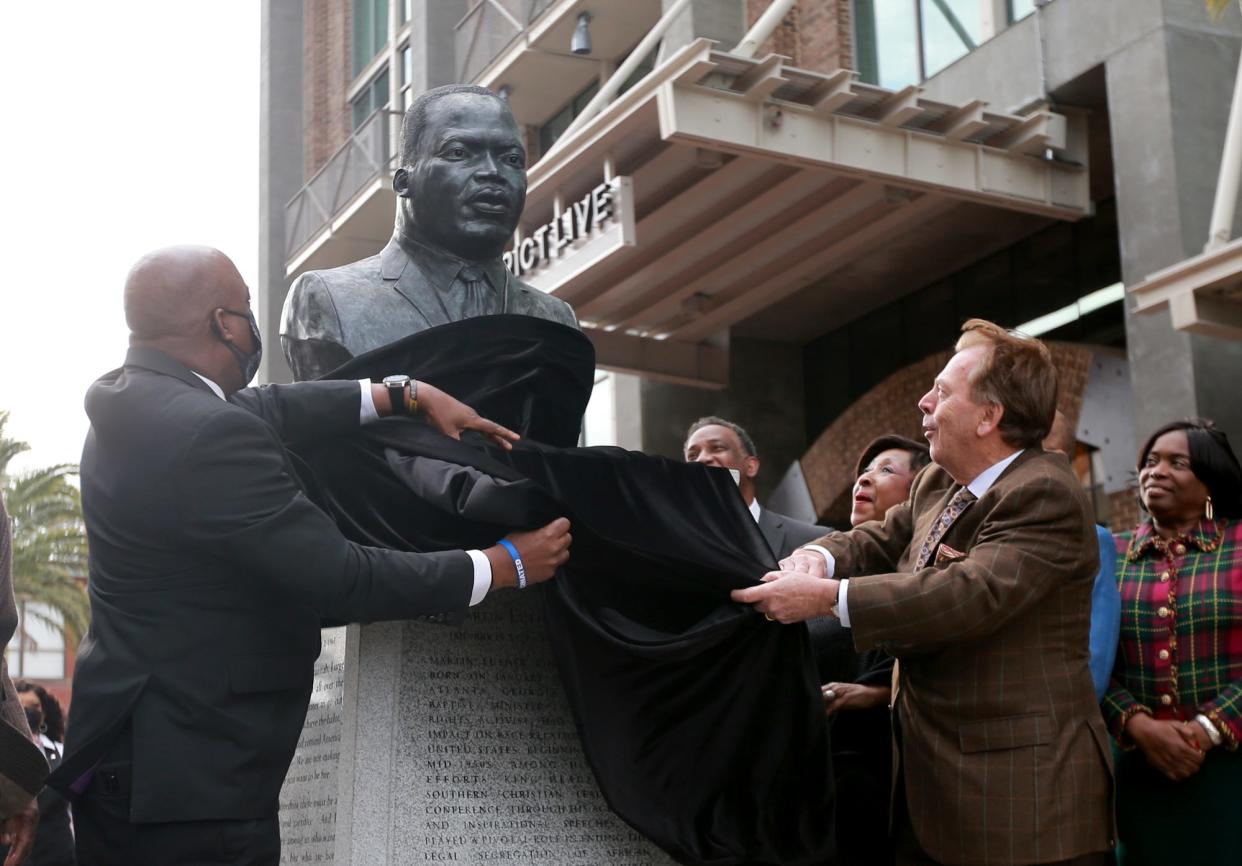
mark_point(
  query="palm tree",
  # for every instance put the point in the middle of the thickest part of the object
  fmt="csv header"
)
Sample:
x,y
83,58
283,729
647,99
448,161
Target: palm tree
x,y
49,540
1217,7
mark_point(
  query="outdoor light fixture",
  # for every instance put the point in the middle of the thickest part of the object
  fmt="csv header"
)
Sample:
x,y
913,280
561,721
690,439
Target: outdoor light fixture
x,y
1088,303
581,43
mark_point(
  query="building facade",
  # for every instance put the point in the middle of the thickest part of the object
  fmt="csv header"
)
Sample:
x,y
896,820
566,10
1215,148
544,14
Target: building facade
x,y
791,236
40,652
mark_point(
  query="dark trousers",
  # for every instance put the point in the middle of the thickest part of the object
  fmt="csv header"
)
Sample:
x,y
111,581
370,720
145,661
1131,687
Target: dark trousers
x,y
106,837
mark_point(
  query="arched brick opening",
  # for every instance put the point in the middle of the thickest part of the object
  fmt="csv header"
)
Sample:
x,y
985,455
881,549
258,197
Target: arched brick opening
x,y
892,407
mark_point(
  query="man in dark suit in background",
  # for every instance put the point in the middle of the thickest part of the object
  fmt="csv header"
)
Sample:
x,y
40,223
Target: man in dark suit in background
x,y
210,573
714,441
981,586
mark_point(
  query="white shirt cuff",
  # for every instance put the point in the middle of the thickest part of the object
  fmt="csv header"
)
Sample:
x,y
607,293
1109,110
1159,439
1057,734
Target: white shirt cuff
x,y
828,557
843,612
366,410
482,575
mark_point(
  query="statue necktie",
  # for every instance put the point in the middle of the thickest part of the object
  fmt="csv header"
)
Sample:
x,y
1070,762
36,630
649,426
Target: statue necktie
x,y
959,503
477,295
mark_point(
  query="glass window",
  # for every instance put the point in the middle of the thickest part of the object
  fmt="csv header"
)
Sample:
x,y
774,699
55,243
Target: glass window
x,y
373,97
1019,9
886,32
951,28
406,10
901,42
583,99
555,127
559,122
41,655
370,31
407,77
647,64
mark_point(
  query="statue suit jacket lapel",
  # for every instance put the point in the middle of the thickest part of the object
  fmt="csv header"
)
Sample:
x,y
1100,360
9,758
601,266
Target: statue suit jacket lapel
x,y
403,274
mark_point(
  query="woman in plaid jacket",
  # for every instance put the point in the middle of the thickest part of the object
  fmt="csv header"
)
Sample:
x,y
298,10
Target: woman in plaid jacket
x,y
1175,701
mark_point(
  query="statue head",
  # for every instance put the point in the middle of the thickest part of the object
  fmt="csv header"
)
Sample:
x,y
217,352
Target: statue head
x,y
461,184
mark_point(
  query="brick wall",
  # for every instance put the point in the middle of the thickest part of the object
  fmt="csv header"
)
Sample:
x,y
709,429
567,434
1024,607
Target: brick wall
x,y
816,34
891,407
826,30
325,81
1123,510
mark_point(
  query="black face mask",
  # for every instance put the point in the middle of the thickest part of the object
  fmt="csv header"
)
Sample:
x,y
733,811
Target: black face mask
x,y
249,364
34,718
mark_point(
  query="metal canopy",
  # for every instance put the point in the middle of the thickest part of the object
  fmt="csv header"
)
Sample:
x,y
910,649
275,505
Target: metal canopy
x,y
1203,294
537,68
753,180
758,193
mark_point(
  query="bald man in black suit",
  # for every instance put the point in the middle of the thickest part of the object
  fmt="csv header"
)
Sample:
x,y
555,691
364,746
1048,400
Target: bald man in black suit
x,y
211,572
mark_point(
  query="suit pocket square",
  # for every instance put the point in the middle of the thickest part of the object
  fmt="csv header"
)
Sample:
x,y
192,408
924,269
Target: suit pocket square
x,y
946,554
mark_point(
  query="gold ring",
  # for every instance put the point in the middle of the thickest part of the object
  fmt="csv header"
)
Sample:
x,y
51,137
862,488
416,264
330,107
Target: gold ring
x,y
769,617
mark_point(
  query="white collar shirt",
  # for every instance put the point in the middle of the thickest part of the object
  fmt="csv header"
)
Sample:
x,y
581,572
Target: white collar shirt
x,y
982,483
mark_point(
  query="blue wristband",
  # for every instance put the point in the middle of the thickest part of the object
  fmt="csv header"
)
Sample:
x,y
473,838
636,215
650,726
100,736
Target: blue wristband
x,y
517,561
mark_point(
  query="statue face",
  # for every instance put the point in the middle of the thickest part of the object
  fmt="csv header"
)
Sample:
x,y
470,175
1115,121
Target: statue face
x,y
466,185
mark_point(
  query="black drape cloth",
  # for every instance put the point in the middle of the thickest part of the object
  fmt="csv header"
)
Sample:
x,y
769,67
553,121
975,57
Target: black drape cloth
x,y
701,720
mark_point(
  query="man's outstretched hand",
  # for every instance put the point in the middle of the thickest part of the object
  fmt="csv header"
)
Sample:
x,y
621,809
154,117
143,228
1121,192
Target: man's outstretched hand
x,y
790,597
542,552
803,561
18,832
451,417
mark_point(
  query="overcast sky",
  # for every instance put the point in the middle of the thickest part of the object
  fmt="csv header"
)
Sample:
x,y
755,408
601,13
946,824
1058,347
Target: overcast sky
x,y
128,126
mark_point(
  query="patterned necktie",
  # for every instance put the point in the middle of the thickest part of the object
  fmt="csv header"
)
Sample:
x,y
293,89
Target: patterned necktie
x,y
476,292
959,503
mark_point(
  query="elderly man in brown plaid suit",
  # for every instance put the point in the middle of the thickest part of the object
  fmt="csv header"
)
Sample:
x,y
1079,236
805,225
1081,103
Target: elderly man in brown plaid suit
x,y
980,585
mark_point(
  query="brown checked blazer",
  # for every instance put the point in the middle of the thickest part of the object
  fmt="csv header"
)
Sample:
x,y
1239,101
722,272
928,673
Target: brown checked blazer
x,y
1004,752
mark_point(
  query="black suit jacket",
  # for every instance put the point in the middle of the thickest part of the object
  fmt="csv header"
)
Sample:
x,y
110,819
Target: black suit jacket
x,y
210,572
784,534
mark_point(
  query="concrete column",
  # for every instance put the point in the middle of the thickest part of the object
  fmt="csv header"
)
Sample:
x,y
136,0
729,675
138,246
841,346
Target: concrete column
x,y
394,73
627,398
432,39
1168,99
722,20
280,167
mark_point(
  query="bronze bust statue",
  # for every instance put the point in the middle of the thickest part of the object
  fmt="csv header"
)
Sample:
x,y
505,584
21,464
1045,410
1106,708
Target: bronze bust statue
x,y
460,191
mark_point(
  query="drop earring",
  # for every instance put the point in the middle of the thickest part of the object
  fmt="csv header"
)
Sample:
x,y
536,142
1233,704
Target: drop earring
x,y
1208,511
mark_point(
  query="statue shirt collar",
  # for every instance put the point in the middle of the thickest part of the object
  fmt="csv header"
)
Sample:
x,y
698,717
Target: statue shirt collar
x,y
439,267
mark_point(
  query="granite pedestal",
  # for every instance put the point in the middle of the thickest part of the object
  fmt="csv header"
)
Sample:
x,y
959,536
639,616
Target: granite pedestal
x,y
432,744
